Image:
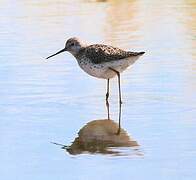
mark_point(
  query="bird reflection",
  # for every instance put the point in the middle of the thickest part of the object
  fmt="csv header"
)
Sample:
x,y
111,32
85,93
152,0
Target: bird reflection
x,y
99,136
103,136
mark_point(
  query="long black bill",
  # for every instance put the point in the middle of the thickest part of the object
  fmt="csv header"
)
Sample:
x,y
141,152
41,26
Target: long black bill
x,y
63,50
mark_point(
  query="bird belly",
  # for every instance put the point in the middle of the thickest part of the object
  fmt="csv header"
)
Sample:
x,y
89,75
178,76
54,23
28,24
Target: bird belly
x,y
97,70
122,64
118,65
103,70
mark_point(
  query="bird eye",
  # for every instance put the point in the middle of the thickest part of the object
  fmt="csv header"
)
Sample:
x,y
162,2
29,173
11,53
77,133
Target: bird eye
x,y
72,44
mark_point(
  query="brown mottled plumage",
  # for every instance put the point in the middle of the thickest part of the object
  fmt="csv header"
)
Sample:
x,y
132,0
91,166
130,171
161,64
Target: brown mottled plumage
x,y
100,53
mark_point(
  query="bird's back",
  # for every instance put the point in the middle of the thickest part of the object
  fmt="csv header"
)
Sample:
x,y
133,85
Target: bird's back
x,y
99,53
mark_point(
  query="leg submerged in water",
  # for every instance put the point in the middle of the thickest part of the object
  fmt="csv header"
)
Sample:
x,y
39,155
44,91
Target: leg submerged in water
x,y
107,96
120,99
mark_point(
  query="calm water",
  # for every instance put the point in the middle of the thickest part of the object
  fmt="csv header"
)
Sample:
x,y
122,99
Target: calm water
x,y
50,101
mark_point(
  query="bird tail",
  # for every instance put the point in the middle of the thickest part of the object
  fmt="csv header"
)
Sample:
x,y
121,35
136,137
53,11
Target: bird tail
x,y
136,53
134,56
140,53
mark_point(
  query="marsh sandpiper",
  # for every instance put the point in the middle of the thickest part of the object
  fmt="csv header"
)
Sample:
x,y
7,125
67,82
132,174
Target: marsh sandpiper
x,y
101,61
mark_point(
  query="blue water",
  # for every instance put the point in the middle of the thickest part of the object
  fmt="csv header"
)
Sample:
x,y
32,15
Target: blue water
x,y
50,101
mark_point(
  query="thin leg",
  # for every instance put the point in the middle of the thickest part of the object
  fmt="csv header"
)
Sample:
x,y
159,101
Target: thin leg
x,y
120,99
108,109
107,96
120,104
108,89
119,88
119,120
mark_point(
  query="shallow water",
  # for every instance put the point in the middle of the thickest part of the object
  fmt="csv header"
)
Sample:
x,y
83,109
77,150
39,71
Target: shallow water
x,y
50,101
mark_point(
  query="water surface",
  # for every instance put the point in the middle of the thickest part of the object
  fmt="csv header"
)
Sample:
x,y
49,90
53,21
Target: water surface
x,y
50,101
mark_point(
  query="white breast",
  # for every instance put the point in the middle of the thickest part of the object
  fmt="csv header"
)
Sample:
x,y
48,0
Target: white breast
x,y
96,70
103,70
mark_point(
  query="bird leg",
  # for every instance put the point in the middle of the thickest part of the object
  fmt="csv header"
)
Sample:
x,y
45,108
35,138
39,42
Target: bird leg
x,y
120,99
120,104
107,96
108,88
119,120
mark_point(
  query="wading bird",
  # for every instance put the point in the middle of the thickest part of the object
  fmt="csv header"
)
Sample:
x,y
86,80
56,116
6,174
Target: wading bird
x,y
101,61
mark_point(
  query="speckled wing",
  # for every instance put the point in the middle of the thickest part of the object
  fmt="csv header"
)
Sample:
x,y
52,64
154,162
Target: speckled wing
x,y
99,53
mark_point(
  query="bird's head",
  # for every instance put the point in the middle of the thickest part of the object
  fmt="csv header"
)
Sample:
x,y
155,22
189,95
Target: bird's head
x,y
72,45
